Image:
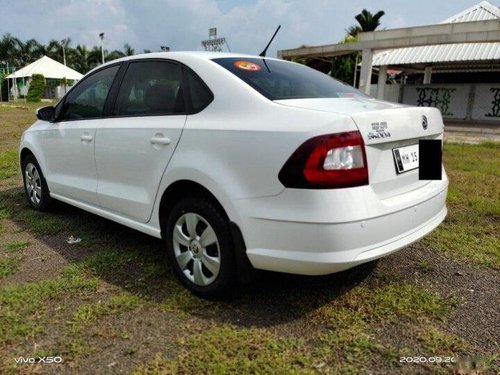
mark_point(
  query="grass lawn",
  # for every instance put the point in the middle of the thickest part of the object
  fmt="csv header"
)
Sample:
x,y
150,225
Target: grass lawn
x,y
110,304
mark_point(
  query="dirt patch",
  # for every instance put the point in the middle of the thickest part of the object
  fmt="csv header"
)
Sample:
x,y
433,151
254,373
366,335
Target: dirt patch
x,y
475,316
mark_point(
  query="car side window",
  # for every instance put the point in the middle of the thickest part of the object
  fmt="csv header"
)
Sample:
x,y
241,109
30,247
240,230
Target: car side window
x,y
201,96
87,99
151,88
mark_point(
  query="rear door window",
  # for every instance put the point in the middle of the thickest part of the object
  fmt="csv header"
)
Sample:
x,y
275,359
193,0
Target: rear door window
x,y
150,88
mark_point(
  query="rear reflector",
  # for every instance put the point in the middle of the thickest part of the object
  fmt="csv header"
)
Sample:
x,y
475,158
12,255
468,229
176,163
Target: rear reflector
x,y
327,162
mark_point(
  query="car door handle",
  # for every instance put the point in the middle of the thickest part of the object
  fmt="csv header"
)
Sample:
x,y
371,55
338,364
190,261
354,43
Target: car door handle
x,y
160,141
86,137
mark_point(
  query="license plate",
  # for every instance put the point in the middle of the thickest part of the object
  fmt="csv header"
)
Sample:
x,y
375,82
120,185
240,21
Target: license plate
x,y
405,158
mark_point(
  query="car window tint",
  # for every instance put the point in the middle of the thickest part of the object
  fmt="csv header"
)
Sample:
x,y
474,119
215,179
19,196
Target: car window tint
x,y
201,96
277,79
87,99
151,88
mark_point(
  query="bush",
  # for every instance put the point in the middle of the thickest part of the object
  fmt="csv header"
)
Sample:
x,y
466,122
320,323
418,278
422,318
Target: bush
x,y
37,88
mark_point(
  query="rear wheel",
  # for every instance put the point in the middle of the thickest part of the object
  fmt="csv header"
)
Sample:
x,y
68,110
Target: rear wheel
x,y
200,246
35,185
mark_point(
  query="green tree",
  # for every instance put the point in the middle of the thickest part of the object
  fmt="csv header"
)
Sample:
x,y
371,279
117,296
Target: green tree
x,y
343,66
37,88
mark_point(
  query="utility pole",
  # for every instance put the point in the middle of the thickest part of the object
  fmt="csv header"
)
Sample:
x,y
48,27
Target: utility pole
x,y
101,35
63,42
1,79
8,87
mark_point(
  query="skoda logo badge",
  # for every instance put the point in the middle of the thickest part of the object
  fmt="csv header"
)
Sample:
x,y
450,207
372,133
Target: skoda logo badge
x,y
424,122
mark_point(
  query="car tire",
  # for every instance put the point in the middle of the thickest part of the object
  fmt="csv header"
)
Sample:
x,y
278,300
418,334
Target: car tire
x,y
35,185
200,247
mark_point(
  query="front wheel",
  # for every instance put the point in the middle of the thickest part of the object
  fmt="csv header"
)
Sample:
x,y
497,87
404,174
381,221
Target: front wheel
x,y
35,186
200,246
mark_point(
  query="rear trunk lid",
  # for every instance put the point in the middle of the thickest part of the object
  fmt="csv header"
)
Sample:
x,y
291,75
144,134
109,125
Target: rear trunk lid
x,y
385,127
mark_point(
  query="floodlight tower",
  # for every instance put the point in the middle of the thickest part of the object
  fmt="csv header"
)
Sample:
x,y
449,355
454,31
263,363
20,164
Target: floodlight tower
x,y
213,43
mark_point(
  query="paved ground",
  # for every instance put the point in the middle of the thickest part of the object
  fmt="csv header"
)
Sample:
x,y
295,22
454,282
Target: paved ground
x,y
475,133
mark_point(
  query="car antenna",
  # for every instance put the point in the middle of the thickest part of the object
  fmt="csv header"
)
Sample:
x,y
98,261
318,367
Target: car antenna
x,y
263,53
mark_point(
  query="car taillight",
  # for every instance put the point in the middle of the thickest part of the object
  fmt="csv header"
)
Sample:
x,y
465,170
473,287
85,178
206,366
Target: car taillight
x,y
329,161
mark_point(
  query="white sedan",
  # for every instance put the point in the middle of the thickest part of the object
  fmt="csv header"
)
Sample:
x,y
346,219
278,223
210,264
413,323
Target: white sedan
x,y
238,162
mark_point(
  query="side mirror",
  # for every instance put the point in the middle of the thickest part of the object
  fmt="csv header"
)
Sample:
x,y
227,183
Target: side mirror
x,y
46,113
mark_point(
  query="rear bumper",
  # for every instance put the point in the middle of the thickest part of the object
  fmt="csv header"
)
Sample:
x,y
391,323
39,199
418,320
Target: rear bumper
x,y
339,240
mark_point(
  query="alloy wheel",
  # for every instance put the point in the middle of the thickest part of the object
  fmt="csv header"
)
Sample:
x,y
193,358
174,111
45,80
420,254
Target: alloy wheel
x,y
33,183
196,249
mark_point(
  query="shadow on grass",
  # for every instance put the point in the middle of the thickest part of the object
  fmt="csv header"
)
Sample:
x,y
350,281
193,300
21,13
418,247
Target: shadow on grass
x,y
135,262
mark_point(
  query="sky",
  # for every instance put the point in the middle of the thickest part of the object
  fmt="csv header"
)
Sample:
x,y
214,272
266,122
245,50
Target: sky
x,y
183,24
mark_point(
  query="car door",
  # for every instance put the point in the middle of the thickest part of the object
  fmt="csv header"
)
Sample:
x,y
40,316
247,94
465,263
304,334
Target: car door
x,y
133,148
69,143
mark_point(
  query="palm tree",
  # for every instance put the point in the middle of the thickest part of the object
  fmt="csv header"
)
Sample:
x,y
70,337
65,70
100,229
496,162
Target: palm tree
x,y
353,31
81,59
368,21
113,55
27,52
54,50
129,51
95,57
8,49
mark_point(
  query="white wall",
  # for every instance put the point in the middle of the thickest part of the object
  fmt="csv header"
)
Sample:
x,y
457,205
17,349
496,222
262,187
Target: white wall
x,y
391,92
457,101
487,102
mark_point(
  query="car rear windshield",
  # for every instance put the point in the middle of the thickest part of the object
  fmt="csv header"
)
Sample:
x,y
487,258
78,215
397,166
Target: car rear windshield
x,y
284,80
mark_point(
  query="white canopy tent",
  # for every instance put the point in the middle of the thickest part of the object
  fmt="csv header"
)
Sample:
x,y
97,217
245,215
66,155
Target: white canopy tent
x,y
49,68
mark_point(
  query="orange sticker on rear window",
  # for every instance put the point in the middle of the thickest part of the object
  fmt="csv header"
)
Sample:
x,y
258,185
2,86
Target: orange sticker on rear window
x,y
247,66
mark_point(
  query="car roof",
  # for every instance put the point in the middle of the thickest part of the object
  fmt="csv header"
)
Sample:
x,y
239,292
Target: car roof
x,y
181,55
205,55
